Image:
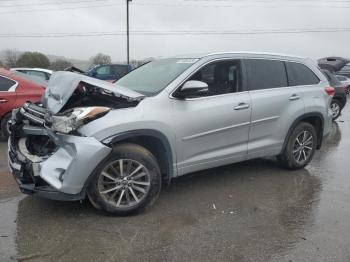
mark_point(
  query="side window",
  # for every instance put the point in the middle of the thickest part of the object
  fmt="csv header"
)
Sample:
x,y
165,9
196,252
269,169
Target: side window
x,y
103,70
6,84
265,74
120,70
300,75
222,77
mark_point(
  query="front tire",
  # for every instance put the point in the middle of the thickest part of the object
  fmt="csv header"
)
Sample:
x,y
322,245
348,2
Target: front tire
x,y
127,182
300,148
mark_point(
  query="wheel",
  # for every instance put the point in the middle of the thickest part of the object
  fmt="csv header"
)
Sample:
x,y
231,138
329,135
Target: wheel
x,y
335,108
5,126
300,148
127,182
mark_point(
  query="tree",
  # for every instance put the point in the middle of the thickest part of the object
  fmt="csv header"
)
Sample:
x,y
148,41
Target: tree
x,y
100,59
1,64
33,59
10,57
60,64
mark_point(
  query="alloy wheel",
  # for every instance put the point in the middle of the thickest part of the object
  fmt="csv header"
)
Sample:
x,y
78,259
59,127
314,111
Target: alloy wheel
x,y
303,146
124,183
335,109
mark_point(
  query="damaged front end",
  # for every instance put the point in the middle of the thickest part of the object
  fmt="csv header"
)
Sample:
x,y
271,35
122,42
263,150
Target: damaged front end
x,y
47,154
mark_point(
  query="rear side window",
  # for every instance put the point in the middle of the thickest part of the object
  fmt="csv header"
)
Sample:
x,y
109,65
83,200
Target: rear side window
x,y
6,84
265,74
120,70
300,75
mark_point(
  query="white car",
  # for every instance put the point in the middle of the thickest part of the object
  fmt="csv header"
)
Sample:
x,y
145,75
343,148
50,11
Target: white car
x,y
345,81
41,73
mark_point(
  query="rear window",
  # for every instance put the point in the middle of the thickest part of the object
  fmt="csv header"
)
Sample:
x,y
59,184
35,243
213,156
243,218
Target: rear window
x,y
300,75
265,74
6,84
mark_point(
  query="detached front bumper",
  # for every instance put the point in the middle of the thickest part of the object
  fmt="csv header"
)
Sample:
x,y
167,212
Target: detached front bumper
x,y
64,174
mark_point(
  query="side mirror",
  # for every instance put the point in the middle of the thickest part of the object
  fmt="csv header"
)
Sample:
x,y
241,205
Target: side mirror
x,y
192,88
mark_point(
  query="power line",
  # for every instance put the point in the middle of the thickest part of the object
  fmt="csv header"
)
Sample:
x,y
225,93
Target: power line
x,y
59,5
181,33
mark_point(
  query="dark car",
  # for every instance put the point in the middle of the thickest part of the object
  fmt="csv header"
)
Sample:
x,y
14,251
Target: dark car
x,y
339,98
110,72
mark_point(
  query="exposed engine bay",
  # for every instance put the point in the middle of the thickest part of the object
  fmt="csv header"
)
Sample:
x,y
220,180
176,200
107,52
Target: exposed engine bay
x,y
88,100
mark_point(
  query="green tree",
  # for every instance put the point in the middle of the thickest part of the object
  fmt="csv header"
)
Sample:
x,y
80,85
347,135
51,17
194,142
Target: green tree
x,y
100,59
33,59
60,64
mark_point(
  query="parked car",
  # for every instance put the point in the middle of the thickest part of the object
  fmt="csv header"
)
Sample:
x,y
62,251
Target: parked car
x,y
15,90
345,70
110,72
339,98
44,74
117,143
345,81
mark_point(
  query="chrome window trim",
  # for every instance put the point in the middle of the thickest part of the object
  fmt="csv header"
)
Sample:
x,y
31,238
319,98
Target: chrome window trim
x,y
245,91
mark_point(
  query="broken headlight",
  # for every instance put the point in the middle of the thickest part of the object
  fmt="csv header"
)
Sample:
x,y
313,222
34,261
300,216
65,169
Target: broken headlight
x,y
71,120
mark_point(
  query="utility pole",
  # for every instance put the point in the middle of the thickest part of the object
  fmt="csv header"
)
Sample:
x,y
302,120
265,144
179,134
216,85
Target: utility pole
x,y
127,32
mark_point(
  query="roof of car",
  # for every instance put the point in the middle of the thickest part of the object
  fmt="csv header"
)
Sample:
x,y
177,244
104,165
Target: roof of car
x,y
17,76
248,53
34,69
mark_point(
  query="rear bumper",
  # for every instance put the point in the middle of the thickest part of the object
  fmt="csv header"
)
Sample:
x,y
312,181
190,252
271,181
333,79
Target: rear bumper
x,y
61,176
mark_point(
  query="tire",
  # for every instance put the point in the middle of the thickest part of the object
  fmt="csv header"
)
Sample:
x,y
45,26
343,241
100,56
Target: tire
x,y
335,108
4,126
130,169
295,156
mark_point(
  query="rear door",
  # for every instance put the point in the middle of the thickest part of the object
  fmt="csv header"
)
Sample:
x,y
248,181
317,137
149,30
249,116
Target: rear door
x,y
274,105
308,85
7,94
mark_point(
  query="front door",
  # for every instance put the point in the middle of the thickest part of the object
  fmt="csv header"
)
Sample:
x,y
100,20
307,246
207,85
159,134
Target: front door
x,y
213,129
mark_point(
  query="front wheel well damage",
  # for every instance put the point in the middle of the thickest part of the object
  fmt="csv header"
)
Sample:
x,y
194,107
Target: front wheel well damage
x,y
157,146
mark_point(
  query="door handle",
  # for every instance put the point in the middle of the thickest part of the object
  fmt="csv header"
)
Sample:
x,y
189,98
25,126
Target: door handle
x,y
2,100
294,97
242,106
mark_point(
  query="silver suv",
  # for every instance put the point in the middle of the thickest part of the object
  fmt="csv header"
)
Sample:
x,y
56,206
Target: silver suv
x,y
117,143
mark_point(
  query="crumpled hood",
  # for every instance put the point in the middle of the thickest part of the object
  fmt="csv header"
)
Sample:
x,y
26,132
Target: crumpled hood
x,y
62,84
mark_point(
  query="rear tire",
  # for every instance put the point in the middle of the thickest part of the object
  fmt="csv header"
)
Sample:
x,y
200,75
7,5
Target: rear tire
x,y
127,182
335,108
300,148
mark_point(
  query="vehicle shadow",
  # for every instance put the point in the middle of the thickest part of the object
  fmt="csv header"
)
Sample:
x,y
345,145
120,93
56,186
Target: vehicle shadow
x,y
221,213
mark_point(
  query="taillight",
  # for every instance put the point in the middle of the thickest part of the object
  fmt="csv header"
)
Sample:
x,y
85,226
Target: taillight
x,y
330,91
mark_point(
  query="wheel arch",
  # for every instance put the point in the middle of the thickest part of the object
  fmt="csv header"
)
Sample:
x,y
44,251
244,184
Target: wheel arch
x,y
314,118
154,141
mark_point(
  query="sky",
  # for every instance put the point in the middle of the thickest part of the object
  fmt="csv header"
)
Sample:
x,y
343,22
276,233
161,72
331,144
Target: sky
x,y
160,28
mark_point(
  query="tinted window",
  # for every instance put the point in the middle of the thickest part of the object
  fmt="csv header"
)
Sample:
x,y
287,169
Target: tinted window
x,y
120,70
221,77
6,84
264,74
300,75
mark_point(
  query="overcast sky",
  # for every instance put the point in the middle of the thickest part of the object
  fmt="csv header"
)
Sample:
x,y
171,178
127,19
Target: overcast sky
x,y
172,27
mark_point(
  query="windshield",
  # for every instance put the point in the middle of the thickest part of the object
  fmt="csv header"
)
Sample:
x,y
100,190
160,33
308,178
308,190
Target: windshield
x,y
150,79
